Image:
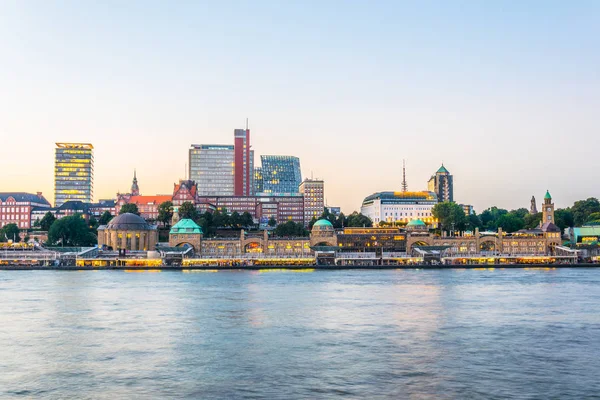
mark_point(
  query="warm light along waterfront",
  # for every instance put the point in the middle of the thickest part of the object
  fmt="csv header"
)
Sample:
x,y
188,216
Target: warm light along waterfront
x,y
444,334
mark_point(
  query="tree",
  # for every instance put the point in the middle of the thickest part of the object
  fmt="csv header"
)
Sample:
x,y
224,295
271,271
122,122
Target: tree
x,y
582,210
105,218
510,222
291,228
312,222
247,220
71,231
563,218
10,232
93,223
47,221
358,220
188,211
473,221
272,222
165,212
450,215
532,221
235,220
129,208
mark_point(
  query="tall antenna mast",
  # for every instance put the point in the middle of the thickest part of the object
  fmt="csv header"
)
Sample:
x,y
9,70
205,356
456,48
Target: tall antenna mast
x,y
404,184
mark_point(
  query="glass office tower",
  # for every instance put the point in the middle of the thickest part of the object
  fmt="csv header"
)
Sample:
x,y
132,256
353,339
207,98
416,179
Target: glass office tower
x,y
73,173
280,174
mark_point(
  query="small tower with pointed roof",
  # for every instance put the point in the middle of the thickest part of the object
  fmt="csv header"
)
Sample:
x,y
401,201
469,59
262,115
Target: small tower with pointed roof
x,y
135,190
548,211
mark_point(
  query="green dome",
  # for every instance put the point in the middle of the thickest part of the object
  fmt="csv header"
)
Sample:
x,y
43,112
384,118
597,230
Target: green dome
x,y
323,223
185,226
416,222
547,196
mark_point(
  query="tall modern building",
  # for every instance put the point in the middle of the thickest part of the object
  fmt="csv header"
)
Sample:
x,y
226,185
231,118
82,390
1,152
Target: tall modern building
x,y
280,174
211,166
313,192
73,173
258,180
442,184
243,163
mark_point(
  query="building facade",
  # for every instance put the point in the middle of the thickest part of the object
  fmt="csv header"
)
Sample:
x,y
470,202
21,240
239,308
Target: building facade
x,y
211,166
282,208
243,163
313,192
147,205
442,184
393,207
280,174
17,208
73,173
128,232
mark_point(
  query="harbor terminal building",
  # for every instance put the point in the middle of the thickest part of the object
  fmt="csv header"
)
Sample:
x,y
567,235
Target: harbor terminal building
x,y
392,207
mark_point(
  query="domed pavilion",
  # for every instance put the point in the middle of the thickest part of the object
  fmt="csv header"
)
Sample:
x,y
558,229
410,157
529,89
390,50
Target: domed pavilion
x,y
323,233
129,232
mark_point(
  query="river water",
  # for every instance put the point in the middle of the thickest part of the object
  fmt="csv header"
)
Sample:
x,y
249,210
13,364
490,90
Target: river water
x,y
402,334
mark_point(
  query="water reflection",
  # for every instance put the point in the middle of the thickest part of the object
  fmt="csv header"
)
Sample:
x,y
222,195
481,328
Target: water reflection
x,y
359,334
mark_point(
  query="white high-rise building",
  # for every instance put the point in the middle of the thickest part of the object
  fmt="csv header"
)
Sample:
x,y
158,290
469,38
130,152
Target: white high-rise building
x,y
211,166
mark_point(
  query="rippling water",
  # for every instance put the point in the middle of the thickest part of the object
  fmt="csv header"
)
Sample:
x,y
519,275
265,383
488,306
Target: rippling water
x,y
415,334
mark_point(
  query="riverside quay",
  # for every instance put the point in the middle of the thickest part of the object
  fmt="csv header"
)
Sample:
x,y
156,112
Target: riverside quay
x,y
412,245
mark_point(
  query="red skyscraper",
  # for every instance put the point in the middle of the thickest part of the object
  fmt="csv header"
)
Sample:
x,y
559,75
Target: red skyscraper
x,y
244,165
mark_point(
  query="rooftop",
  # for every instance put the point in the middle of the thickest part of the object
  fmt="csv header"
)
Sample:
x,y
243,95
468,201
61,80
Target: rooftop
x,y
24,197
186,226
401,197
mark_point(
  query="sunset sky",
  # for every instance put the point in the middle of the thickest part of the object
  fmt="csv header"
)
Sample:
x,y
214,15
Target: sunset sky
x,y
505,94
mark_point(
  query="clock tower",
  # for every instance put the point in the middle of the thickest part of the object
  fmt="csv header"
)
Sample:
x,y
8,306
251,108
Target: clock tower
x,y
548,209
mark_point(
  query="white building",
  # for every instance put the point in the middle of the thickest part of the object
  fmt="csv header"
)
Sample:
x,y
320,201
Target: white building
x,y
211,166
314,199
399,207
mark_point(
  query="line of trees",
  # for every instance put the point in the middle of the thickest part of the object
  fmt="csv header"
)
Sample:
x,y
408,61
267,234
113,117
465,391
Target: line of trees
x,y
451,216
354,220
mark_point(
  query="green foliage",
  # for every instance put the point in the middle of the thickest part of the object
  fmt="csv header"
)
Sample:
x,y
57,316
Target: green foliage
x,y
272,222
291,229
188,211
235,220
312,222
511,222
357,220
582,210
532,221
129,208
450,216
246,220
563,218
165,212
93,223
474,221
47,221
490,217
10,232
105,218
71,231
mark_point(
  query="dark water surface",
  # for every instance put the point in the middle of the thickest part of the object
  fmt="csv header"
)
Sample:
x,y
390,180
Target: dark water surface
x,y
414,334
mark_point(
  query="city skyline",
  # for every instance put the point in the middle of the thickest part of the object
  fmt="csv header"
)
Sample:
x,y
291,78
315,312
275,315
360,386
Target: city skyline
x,y
487,92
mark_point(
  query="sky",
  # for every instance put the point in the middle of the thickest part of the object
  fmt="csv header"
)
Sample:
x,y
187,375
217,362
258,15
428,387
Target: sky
x,y
506,94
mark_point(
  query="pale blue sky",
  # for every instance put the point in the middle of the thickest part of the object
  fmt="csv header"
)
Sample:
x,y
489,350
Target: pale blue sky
x,y
506,94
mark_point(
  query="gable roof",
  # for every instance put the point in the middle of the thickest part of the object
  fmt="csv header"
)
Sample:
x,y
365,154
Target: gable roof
x,y
24,197
149,199
442,170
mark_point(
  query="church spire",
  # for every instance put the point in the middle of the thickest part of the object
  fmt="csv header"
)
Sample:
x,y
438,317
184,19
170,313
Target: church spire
x,y
135,189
